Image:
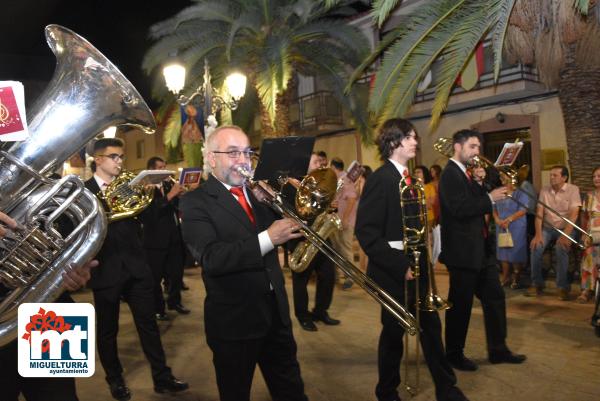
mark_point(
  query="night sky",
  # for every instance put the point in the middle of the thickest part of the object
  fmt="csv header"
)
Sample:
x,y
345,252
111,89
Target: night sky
x,y
119,29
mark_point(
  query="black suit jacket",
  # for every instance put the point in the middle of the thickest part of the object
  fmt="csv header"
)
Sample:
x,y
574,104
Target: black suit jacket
x,y
161,222
378,222
237,278
463,206
121,251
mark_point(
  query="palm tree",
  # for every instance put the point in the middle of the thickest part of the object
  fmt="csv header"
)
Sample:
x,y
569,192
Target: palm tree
x,y
269,40
561,37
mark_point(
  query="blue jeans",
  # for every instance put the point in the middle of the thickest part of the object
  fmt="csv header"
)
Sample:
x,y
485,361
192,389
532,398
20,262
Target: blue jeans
x,y
561,257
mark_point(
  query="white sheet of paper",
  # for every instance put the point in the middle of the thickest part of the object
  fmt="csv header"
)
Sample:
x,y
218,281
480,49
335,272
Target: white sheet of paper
x,y
146,177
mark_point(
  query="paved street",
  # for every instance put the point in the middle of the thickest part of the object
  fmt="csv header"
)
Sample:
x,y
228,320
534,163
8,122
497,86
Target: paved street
x,y
339,363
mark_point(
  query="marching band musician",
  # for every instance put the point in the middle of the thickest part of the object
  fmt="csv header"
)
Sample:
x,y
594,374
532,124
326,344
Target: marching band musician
x,y
124,274
246,312
467,253
38,388
379,231
323,266
163,242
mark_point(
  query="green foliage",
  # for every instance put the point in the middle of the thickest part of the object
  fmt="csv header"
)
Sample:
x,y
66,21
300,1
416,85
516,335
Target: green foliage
x,y
444,30
192,154
268,40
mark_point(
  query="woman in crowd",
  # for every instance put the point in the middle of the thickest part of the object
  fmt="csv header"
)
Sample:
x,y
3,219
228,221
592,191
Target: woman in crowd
x,y
422,174
360,184
509,216
590,262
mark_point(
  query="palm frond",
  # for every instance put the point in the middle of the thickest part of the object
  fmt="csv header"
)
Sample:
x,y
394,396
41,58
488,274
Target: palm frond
x,y
422,25
172,127
184,42
210,10
477,20
339,31
499,34
382,10
274,72
387,40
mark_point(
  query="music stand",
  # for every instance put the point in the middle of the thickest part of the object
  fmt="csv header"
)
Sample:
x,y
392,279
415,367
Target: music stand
x,y
284,157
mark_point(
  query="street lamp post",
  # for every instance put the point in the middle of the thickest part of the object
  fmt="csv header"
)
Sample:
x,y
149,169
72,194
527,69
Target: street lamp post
x,y
235,83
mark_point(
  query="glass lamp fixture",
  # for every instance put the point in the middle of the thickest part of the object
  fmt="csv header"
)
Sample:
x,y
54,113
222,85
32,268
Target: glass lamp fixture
x,y
174,74
235,83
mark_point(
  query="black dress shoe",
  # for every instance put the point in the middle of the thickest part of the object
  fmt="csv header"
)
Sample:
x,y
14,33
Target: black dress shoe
x,y
506,357
461,362
325,318
170,385
452,393
180,309
161,317
120,391
308,325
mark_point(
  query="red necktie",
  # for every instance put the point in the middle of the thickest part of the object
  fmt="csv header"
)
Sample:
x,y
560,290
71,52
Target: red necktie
x,y
408,181
239,192
469,176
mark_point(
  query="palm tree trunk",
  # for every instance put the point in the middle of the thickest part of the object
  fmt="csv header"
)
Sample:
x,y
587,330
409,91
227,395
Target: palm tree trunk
x,y
265,121
580,103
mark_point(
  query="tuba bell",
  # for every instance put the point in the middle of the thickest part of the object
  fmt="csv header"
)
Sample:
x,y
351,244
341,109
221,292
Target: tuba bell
x,y
86,95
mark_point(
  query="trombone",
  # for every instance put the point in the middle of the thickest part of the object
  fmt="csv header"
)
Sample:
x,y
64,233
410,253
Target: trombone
x,y
415,230
444,146
265,194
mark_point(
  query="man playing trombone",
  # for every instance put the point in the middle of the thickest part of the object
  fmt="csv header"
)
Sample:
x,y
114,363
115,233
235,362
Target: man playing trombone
x,y
379,229
470,261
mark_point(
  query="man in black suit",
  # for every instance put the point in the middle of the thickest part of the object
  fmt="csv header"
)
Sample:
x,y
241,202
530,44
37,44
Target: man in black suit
x,y
246,313
470,257
124,273
321,265
163,242
379,230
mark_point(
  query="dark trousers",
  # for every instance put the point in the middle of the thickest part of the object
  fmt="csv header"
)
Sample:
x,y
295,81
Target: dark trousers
x,y
138,293
275,355
168,264
485,284
32,388
391,349
324,292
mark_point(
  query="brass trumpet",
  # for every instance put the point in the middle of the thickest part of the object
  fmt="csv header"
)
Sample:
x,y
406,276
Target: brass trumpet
x,y
415,231
267,195
444,146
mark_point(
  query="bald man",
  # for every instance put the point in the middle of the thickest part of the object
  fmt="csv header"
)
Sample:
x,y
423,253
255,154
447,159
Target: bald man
x,y
246,312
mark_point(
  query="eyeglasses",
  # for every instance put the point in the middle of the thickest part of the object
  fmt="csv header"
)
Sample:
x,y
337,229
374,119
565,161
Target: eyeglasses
x,y
114,156
235,154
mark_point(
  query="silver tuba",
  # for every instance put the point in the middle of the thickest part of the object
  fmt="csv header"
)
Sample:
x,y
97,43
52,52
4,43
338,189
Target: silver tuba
x,y
86,95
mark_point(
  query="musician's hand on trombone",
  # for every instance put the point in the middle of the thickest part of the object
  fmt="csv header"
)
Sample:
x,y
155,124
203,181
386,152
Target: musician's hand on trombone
x,y
409,275
283,230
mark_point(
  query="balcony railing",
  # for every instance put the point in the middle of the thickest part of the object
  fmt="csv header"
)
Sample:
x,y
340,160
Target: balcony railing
x,y
507,75
314,110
